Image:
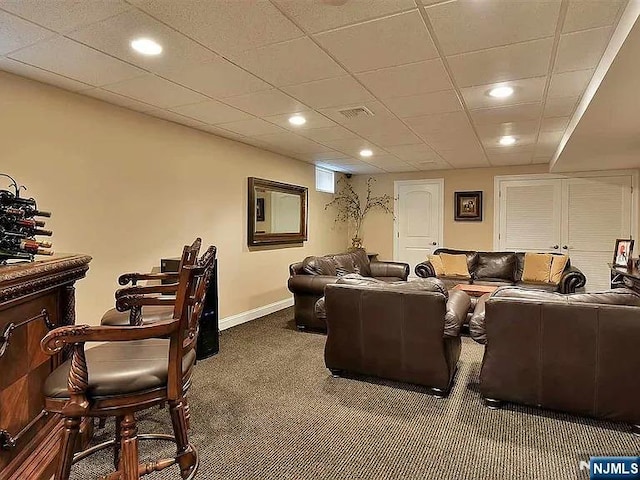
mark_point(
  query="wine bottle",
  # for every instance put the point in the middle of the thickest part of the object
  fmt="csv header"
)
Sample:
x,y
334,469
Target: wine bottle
x,y
29,246
12,255
10,222
30,212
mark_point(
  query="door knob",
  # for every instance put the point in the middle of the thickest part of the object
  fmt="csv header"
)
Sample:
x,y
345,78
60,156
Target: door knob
x,y
434,243
556,247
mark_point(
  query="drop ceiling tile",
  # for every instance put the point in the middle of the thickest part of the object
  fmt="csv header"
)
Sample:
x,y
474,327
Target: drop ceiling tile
x,y
292,142
468,26
441,122
155,91
330,92
507,113
265,103
251,127
548,143
328,133
353,146
329,156
464,139
35,73
391,138
66,14
380,160
560,106
113,36
396,40
289,63
399,168
365,170
414,153
176,118
231,26
17,33
120,100
505,159
66,57
541,160
569,84
404,80
585,14
528,90
463,158
512,62
510,128
492,142
581,50
218,78
320,16
554,124
425,104
211,112
313,120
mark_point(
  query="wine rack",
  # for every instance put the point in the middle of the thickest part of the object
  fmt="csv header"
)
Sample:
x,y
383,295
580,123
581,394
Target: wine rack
x,y
20,225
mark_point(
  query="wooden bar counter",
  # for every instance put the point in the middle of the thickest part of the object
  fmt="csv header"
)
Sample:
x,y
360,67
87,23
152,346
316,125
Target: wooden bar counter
x,y
34,297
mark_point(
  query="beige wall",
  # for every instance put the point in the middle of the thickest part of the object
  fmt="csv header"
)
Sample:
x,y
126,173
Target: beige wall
x,y
129,189
378,227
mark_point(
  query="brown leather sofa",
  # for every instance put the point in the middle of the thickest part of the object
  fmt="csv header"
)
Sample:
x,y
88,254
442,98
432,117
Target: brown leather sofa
x,y
574,353
407,332
502,269
309,277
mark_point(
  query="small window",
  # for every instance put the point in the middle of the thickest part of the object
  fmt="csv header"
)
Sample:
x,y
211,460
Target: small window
x,y
325,180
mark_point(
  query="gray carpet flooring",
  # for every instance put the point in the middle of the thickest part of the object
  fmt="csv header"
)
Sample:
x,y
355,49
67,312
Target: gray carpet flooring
x,y
265,407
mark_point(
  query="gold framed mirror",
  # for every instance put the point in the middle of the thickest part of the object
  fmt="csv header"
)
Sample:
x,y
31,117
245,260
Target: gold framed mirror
x,y
277,213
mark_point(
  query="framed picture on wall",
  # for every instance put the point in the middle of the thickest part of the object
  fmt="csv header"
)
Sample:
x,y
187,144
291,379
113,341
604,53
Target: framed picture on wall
x,y
623,251
468,206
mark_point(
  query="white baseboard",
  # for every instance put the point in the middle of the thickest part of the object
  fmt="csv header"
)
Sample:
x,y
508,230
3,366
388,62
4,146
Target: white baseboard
x,y
247,316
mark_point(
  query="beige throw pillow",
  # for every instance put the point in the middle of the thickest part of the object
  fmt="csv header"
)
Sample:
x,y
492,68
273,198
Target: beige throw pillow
x,y
537,267
455,265
558,264
436,263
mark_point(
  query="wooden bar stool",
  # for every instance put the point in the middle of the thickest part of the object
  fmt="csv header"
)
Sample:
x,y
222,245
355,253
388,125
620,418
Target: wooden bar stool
x,y
157,367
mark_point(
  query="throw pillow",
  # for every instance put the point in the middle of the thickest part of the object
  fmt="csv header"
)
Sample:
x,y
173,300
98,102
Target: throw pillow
x,y
455,265
558,265
436,263
537,267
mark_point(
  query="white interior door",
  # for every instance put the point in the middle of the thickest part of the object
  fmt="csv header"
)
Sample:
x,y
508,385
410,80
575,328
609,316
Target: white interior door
x,y
597,212
530,217
418,220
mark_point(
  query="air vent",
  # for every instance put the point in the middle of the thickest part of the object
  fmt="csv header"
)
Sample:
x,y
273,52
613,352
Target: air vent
x,y
356,112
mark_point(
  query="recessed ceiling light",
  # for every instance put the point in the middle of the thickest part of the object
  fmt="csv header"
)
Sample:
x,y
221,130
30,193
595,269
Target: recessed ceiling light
x,y
366,153
501,92
146,46
297,120
507,140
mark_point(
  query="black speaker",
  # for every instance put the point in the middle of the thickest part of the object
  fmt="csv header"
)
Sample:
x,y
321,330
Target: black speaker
x,y
209,336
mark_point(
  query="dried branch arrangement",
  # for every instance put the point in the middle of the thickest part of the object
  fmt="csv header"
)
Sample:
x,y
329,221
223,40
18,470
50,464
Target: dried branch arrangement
x,y
351,209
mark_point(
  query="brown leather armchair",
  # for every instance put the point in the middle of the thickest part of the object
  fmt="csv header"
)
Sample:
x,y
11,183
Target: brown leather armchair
x,y
310,277
405,331
574,353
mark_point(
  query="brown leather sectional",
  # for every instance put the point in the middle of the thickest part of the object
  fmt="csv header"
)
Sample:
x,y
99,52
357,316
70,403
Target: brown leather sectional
x,y
403,331
574,353
309,278
502,269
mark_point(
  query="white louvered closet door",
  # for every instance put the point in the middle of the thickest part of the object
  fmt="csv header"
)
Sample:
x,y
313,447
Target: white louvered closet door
x,y
530,217
597,211
579,216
